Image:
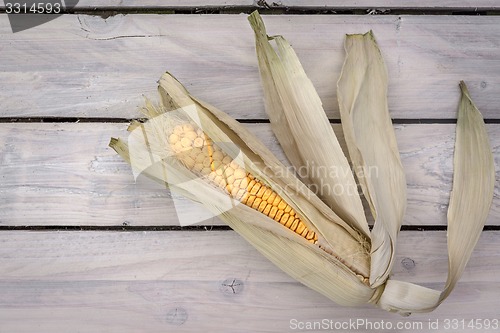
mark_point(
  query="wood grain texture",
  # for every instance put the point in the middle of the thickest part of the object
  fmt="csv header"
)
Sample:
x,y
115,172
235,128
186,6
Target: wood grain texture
x,y
189,4
108,64
469,5
181,282
193,5
65,174
62,174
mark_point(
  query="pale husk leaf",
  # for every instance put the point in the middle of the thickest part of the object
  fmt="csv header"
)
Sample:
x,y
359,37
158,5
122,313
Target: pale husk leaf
x,y
473,186
470,201
302,128
370,138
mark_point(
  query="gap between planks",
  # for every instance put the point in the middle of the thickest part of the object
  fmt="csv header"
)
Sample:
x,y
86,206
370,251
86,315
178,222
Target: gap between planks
x,y
24,120
128,228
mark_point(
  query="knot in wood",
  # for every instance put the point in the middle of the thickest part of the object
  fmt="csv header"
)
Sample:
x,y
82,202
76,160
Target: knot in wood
x,y
231,286
408,263
177,316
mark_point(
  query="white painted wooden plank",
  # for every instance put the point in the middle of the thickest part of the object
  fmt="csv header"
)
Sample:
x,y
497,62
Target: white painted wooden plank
x,y
310,4
473,5
128,282
194,4
65,174
160,4
87,66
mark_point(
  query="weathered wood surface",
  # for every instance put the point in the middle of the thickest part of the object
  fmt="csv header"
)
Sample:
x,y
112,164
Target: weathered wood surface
x,y
87,66
469,5
137,282
65,174
160,4
189,4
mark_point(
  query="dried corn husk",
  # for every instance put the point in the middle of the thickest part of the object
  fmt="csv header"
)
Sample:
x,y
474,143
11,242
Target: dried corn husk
x,y
347,263
470,201
370,138
337,266
302,128
362,94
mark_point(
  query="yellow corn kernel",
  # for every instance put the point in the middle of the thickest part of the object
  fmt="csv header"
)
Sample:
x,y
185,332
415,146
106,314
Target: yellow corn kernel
x,y
250,185
250,200
244,197
266,195
279,214
186,142
262,206
284,218
239,196
267,209
273,211
198,142
256,203
300,227
271,198
255,189
261,192
173,138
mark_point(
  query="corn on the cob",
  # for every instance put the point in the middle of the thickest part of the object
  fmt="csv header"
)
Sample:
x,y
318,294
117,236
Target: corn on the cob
x,y
197,152
336,262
